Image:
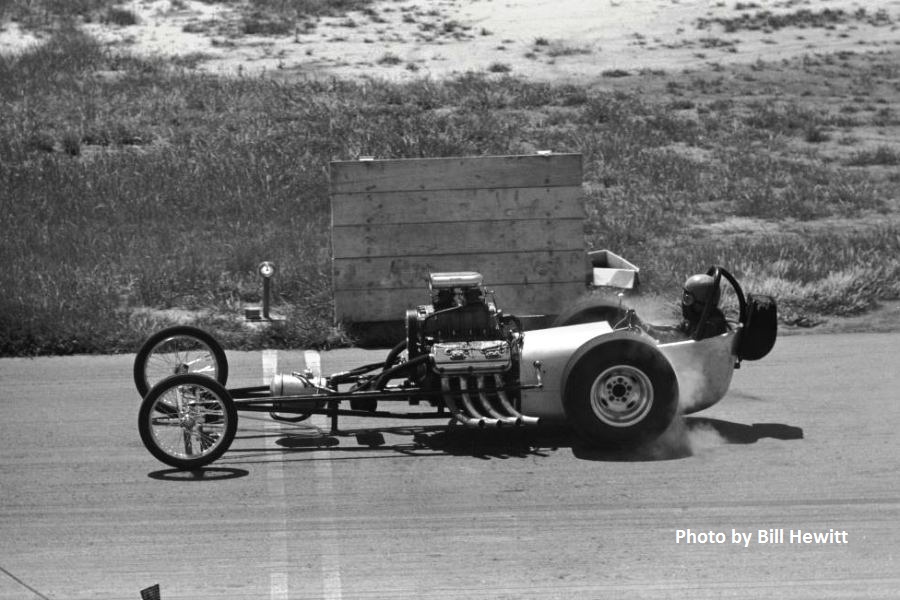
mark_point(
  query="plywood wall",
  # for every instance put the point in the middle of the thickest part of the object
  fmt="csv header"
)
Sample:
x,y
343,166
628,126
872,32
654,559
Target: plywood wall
x,y
518,220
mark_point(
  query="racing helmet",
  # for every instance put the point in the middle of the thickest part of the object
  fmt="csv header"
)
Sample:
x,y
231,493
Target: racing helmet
x,y
698,291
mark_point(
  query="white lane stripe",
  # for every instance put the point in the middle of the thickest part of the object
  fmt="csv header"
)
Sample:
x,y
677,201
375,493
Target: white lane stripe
x,y
278,585
313,361
269,364
278,547
330,550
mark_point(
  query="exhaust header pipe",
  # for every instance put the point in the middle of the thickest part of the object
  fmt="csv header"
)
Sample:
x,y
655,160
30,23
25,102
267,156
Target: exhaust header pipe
x,y
474,408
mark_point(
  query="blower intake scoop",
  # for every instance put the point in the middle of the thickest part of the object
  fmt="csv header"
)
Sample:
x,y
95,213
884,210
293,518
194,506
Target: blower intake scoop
x,y
455,279
458,312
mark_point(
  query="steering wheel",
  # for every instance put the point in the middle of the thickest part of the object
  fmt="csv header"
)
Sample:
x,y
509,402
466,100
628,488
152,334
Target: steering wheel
x,y
717,273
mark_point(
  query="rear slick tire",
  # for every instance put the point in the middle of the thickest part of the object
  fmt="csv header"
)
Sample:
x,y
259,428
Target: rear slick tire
x,y
621,394
591,311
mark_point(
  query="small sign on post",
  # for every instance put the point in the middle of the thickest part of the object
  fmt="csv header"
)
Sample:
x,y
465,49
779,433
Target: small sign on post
x,y
266,271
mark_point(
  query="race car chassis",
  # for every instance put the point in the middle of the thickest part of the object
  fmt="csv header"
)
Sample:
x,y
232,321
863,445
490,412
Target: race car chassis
x,y
615,380
260,399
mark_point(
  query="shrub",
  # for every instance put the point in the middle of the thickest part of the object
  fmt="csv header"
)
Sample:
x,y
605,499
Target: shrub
x,y
121,17
882,155
389,58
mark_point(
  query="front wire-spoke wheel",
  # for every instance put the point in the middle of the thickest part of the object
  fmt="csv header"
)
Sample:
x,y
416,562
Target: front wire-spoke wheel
x,y
177,351
187,421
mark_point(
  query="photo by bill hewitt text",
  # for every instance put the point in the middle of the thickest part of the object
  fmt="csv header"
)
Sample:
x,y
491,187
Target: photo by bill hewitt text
x,y
773,536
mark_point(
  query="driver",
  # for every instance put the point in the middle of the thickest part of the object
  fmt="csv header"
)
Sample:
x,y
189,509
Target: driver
x,y
700,291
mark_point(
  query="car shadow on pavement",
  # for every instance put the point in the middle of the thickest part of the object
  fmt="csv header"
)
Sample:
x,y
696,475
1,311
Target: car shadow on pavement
x,y
427,440
686,437
689,436
738,433
502,443
202,474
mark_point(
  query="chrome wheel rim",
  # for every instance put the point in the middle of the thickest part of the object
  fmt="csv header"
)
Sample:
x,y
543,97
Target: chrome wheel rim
x,y
188,421
178,355
622,396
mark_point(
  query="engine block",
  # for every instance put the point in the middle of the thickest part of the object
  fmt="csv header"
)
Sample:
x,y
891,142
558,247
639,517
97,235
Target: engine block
x,y
461,331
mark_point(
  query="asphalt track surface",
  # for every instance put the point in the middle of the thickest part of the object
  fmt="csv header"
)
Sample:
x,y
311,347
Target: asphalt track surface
x,y
805,440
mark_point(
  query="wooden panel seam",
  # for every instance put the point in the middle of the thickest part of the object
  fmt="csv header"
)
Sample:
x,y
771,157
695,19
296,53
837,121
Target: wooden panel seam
x,y
513,268
379,305
461,237
557,170
468,221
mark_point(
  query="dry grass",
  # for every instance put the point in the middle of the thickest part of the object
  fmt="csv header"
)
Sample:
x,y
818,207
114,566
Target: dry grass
x,y
128,183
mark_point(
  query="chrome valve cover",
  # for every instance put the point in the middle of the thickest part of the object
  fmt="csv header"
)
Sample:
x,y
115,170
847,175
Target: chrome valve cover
x,y
471,356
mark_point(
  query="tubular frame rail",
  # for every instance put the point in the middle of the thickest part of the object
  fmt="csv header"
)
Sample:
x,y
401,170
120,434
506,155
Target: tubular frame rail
x,y
474,409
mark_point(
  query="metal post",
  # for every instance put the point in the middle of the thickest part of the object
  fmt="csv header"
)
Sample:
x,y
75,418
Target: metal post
x,y
333,413
267,291
266,271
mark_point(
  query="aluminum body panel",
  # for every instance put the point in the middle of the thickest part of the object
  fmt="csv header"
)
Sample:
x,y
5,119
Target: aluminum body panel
x,y
553,348
703,368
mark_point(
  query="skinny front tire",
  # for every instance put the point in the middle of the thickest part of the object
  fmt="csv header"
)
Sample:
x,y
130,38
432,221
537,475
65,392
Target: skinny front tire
x,y
187,421
176,351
